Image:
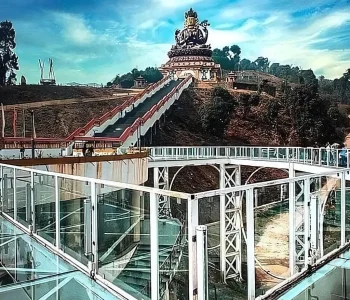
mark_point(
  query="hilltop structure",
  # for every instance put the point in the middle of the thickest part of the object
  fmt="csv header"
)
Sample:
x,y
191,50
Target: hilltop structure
x,y
191,55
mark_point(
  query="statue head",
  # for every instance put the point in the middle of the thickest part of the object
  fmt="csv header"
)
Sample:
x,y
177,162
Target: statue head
x,y
191,18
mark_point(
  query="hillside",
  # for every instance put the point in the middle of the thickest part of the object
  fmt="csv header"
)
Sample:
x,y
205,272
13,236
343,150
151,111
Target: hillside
x,y
19,94
183,128
183,125
58,110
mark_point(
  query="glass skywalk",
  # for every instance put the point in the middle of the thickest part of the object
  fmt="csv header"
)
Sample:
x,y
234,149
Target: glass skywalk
x,y
329,282
28,270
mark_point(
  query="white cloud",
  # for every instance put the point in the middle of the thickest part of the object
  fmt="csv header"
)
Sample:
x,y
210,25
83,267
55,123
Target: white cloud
x,y
75,28
285,41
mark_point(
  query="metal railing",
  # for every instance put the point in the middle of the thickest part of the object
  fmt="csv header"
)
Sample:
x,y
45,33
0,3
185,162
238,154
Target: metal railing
x,y
313,156
36,188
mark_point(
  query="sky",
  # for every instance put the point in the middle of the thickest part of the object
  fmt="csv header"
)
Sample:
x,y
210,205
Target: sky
x,y
91,41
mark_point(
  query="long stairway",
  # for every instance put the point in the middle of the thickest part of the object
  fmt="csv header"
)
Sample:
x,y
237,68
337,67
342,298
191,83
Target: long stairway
x,y
120,125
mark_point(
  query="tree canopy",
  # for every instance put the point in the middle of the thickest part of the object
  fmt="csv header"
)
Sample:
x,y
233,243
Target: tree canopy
x,y
150,74
313,119
216,114
8,59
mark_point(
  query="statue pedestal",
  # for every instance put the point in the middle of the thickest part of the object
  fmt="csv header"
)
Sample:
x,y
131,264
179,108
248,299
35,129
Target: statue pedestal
x,y
203,68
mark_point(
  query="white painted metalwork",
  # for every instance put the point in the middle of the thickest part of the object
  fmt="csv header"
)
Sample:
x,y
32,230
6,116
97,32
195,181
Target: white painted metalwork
x,y
250,243
321,157
154,208
202,262
230,194
161,181
230,225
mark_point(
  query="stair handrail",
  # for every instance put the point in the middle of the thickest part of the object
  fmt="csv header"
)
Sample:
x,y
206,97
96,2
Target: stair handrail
x,y
115,110
176,248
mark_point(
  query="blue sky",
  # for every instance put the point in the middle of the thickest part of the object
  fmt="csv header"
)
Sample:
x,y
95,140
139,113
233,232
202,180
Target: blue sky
x,y
94,40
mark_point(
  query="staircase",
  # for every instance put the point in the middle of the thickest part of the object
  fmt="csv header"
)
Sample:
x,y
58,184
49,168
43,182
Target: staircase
x,y
117,129
136,276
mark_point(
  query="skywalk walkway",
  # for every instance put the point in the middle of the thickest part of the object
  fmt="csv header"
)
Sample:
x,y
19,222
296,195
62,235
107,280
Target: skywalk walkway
x,y
76,226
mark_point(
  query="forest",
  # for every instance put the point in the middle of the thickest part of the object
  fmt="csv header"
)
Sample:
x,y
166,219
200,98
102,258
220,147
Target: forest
x,y
337,90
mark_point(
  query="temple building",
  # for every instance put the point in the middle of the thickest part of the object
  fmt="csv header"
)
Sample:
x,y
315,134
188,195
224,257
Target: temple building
x,y
191,54
140,82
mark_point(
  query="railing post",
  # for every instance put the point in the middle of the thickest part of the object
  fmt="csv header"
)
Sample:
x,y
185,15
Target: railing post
x,y
1,189
306,220
292,222
58,213
154,246
32,201
343,208
94,228
250,243
192,211
202,263
222,224
14,195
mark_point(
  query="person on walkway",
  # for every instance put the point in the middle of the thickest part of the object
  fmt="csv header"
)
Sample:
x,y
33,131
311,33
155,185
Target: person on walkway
x,y
329,154
316,153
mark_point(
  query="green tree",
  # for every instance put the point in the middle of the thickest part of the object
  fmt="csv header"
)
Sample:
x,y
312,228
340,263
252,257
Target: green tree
x,y
314,119
8,59
245,64
262,64
216,114
150,74
227,57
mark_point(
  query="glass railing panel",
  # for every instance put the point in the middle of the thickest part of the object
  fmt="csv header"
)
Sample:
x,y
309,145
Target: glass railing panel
x,y
124,250
23,196
75,218
209,215
282,153
36,273
329,197
7,190
173,252
347,212
271,222
45,206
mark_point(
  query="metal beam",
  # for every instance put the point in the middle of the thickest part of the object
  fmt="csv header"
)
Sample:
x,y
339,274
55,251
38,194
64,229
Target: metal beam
x,y
117,242
56,288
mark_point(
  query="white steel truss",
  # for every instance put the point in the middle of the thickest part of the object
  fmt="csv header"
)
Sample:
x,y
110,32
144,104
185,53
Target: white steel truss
x,y
161,181
230,224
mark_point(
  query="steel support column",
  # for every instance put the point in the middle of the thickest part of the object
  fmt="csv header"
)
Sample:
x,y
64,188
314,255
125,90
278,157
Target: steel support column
x,y
230,224
161,181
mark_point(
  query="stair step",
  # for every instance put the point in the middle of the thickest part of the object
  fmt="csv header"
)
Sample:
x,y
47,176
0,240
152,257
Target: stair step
x,y
134,281
142,275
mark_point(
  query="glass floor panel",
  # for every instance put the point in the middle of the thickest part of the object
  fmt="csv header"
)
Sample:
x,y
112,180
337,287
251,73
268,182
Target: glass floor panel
x,y
30,271
332,281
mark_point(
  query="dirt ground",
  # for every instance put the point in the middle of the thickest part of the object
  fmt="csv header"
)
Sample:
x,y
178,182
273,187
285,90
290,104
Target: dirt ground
x,y
18,94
